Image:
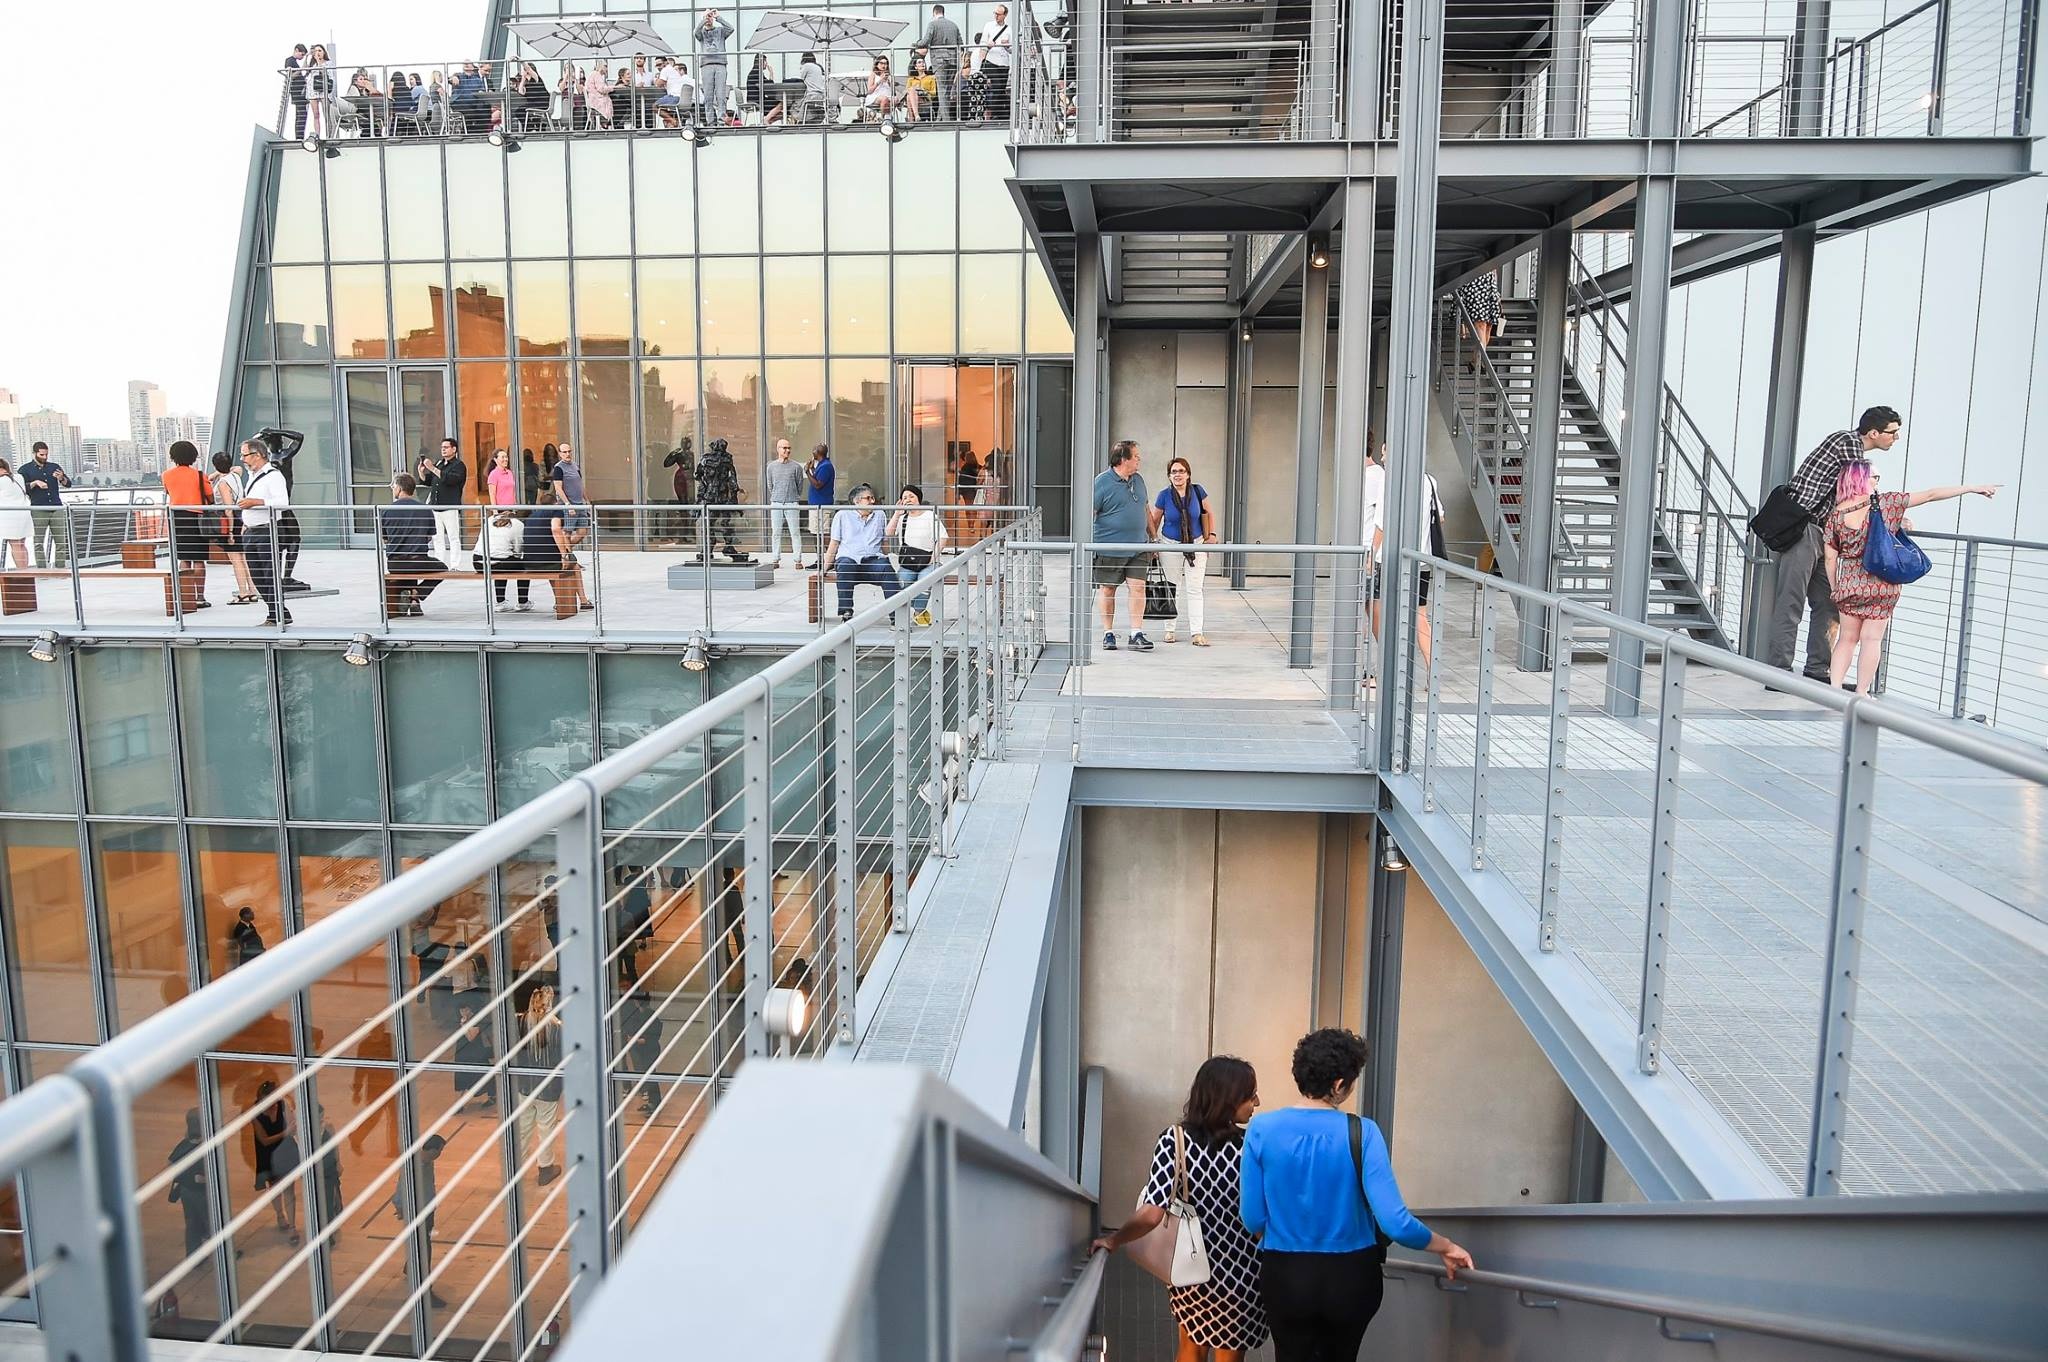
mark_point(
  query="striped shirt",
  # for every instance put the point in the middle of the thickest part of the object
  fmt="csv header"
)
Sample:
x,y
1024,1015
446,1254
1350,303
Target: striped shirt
x,y
1813,486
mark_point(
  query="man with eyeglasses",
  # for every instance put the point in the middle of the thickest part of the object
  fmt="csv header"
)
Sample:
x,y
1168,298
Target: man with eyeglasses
x,y
1803,587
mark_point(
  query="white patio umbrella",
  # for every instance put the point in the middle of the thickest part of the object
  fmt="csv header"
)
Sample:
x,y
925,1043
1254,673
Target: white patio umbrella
x,y
800,30
590,37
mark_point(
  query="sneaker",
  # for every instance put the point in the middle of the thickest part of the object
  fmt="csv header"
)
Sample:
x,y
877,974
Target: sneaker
x,y
504,608
1200,640
523,607
1109,643
1141,643
845,615
1171,637
922,619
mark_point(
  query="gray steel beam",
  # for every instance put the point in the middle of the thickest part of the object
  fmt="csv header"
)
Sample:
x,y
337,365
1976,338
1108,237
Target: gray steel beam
x,y
1806,92
1539,472
1702,257
1363,67
1237,452
1587,1179
1086,53
1354,429
1566,91
1087,389
1308,452
1192,313
1278,271
1411,366
1781,418
1386,916
1133,787
1319,81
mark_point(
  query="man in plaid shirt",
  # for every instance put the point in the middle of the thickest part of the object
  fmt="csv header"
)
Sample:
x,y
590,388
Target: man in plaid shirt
x,y
1802,569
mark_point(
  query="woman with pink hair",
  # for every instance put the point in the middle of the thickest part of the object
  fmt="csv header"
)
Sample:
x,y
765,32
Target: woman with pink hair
x,y
1866,602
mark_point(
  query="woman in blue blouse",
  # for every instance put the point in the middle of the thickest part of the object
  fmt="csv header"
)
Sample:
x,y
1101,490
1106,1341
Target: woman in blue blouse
x,y
1319,1202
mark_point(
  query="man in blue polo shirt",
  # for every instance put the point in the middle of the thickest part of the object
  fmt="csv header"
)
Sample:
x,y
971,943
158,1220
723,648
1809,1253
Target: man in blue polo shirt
x,y
1122,517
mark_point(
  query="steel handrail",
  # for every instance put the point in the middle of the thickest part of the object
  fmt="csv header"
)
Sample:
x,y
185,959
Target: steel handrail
x,y
1770,1323
1065,1335
1563,547
1855,45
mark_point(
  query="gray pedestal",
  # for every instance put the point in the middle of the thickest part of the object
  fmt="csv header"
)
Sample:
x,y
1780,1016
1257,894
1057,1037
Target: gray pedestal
x,y
724,576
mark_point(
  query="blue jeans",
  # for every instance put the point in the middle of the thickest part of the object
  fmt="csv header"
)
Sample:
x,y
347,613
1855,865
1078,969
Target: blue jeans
x,y
875,571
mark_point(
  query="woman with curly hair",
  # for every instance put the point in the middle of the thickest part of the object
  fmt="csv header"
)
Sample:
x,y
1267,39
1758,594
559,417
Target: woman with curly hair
x,y
1319,1191
1222,1317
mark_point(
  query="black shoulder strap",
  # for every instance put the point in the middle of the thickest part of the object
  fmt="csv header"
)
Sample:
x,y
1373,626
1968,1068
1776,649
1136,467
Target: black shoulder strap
x,y
1358,1171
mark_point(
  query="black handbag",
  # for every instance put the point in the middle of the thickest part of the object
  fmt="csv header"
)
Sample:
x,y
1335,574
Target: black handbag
x,y
1781,520
1162,598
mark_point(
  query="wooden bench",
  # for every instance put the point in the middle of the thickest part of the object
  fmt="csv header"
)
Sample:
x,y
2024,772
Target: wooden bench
x,y
561,585
18,585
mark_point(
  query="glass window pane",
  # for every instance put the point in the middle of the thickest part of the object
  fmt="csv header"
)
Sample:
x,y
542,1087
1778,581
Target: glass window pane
x,y
128,758
46,959
533,755
481,325
544,403
988,215
860,305
430,941
924,304
857,180
668,307
796,304
35,743
793,219
224,721
731,322
355,202
860,420
603,204
235,872
540,307
732,412
796,405
256,336
333,868
637,694
994,325
330,771
668,415
605,448
731,213
294,227
604,305
925,192
483,395
419,316
262,1248
664,196
1046,329
135,866
306,404
431,704
412,190
539,190
360,324
160,1116
476,200
298,300
258,399
364,1167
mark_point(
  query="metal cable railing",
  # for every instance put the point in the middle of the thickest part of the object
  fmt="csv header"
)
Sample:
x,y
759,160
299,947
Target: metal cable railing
x,y
531,1074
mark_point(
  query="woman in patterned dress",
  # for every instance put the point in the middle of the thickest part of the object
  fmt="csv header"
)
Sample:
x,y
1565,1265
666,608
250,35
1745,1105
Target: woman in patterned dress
x,y
1224,1317
1864,602
1480,300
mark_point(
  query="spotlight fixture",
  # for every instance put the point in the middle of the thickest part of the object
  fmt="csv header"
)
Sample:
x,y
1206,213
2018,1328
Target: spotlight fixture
x,y
1244,333
892,131
498,137
1318,254
1390,855
311,144
696,657
358,654
44,649
786,1013
695,135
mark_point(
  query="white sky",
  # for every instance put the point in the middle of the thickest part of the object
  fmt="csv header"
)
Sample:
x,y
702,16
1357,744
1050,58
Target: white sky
x,y
118,231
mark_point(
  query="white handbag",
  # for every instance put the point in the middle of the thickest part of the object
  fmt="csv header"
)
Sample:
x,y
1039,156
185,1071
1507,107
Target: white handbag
x,y
1175,1251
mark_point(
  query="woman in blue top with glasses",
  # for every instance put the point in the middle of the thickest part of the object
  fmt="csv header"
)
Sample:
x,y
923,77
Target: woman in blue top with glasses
x,y
1319,1201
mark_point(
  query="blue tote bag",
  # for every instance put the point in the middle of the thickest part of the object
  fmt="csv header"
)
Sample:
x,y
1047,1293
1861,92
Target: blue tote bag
x,y
1891,555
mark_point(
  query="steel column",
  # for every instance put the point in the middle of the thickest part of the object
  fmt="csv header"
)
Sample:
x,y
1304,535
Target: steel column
x,y
1319,82
1362,68
757,901
899,774
1386,916
586,1146
1964,622
1237,417
1351,447
1565,96
845,813
1086,458
1663,833
1085,65
1308,453
1534,552
1845,953
1553,786
1937,86
1806,89
1588,1176
1411,366
1781,417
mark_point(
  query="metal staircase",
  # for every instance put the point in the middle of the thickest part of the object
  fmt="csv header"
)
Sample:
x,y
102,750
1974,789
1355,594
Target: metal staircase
x,y
1700,545
1227,69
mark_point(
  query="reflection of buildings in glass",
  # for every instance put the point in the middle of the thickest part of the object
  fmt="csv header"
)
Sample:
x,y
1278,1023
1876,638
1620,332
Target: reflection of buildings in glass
x,y
861,424
480,325
732,419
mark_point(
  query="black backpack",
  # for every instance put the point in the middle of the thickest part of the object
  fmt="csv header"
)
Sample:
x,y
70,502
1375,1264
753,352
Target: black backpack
x,y
1781,521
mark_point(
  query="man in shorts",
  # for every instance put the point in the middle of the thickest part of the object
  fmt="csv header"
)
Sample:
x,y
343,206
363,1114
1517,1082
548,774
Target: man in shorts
x,y
1121,517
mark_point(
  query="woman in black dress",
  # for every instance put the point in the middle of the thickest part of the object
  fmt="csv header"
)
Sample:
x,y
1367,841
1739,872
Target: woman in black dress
x,y
1224,1317
277,1158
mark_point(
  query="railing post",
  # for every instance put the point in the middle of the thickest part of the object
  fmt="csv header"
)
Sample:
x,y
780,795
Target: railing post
x,y
1482,728
68,1238
845,829
899,775
936,729
579,904
1845,951
1937,83
1428,612
1964,623
70,558
1663,833
757,805
1553,782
